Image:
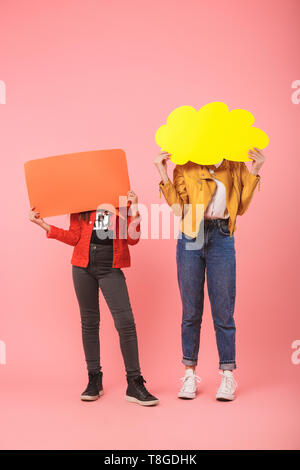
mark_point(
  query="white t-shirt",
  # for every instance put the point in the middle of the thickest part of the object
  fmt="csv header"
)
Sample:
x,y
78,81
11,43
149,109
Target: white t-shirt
x,y
217,205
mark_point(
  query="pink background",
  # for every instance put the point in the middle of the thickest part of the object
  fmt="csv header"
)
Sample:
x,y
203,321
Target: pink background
x,y
85,75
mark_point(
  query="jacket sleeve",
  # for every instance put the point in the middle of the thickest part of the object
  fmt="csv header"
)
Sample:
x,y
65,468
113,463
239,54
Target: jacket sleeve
x,y
248,184
133,229
175,193
70,236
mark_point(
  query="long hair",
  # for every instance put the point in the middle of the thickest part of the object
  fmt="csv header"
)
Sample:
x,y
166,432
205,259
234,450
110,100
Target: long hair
x,y
84,216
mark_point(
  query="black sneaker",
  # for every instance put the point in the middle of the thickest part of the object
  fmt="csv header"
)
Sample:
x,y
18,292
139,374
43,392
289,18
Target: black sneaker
x,y
137,392
94,389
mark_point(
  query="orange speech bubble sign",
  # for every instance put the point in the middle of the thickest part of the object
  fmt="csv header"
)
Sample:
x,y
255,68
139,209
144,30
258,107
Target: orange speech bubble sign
x,y
77,182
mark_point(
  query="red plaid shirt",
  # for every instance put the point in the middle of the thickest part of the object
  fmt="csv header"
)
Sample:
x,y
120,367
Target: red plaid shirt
x,y
126,232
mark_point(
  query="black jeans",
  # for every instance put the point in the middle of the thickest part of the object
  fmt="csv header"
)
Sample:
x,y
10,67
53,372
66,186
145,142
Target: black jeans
x,y
99,273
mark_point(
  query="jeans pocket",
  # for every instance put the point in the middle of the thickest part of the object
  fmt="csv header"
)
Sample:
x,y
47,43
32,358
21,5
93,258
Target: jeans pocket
x,y
184,237
223,227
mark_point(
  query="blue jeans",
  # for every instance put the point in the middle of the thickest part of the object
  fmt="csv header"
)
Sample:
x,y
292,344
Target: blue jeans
x,y
217,256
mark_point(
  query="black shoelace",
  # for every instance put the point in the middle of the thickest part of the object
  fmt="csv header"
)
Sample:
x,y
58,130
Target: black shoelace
x,y
141,387
93,377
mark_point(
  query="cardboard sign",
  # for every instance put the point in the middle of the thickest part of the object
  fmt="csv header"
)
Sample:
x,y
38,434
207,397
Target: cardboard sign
x,y
77,182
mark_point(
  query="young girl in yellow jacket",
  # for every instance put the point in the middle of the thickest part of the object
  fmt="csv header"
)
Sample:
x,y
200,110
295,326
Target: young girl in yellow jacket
x,y
208,198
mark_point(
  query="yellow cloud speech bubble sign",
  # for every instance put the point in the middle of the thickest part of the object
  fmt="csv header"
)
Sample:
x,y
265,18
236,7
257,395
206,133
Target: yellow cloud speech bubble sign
x,y
210,134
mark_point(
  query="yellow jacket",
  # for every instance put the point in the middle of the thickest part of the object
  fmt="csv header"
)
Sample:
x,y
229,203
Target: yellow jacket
x,y
193,187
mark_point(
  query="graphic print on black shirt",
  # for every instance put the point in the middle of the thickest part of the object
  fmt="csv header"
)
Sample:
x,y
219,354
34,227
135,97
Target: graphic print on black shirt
x,y
101,233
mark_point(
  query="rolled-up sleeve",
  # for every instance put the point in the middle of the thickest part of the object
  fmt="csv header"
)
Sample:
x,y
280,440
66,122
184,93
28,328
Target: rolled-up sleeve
x,y
248,185
133,229
175,193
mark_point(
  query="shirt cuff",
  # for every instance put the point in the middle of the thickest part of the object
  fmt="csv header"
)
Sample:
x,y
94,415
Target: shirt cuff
x,y
254,176
136,219
163,185
51,232
253,181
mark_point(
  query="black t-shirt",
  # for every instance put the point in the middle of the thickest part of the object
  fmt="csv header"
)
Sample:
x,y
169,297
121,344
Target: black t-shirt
x,y
102,233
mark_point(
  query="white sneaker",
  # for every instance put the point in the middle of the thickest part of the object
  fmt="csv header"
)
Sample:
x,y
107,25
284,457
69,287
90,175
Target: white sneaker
x,y
189,387
227,387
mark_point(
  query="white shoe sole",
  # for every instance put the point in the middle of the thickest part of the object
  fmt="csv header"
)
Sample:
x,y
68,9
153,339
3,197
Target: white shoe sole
x,y
187,395
143,403
225,397
91,397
